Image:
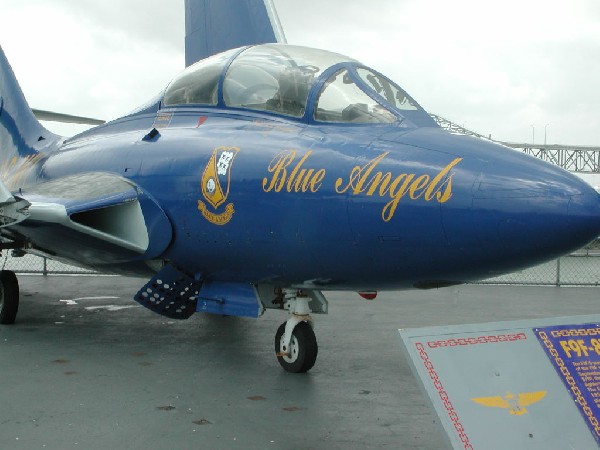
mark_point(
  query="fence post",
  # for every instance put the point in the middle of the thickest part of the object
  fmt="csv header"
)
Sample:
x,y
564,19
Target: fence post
x,y
558,272
45,269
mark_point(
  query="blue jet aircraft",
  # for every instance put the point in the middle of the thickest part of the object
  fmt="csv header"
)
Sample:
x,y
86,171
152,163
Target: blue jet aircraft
x,y
267,173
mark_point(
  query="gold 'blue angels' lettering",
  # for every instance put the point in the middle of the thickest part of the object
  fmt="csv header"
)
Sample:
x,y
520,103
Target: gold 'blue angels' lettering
x,y
292,178
365,180
291,173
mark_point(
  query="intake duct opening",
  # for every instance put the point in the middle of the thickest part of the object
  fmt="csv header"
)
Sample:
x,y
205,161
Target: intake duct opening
x,y
124,222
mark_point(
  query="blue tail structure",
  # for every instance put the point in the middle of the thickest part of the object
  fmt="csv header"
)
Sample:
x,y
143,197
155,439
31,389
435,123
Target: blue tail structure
x,y
21,134
213,26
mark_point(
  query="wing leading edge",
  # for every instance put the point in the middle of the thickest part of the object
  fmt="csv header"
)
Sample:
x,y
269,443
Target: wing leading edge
x,y
94,220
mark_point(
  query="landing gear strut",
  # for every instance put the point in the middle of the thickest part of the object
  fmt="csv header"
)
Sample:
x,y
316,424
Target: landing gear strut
x,y
295,342
9,297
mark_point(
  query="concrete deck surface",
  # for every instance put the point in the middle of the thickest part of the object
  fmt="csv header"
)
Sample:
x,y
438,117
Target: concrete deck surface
x,y
102,372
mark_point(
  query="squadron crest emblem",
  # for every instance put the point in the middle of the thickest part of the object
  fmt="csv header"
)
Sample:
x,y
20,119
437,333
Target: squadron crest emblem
x,y
214,185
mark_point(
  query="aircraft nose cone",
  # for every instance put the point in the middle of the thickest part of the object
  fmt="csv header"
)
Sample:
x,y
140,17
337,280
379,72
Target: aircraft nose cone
x,y
584,216
503,210
508,210
532,211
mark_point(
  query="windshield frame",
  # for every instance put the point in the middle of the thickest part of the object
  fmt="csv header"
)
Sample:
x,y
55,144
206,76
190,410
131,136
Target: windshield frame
x,y
350,68
282,63
404,118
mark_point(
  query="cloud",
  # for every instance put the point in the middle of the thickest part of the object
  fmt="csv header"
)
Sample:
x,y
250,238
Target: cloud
x,y
73,51
496,67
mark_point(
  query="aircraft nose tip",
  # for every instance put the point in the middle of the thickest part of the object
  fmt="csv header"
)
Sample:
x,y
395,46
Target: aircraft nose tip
x,y
541,212
583,215
568,214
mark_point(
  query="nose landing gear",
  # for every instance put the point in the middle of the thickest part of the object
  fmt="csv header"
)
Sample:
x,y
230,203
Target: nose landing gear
x,y
295,342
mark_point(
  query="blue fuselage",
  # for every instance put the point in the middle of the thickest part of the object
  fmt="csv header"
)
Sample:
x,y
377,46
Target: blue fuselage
x,y
335,206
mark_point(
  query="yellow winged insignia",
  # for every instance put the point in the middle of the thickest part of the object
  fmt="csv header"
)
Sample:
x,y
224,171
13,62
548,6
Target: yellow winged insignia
x,y
514,403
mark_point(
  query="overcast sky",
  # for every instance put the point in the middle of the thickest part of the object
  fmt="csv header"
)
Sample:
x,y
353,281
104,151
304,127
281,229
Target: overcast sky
x,y
494,67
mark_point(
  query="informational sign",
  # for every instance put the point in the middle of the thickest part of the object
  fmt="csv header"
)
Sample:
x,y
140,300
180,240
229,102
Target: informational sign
x,y
574,350
502,385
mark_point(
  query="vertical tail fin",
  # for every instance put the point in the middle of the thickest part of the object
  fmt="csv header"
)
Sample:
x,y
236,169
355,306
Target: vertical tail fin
x,y
20,132
213,26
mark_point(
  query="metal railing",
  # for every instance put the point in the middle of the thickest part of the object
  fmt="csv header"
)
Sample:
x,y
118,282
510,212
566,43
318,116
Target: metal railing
x,y
575,158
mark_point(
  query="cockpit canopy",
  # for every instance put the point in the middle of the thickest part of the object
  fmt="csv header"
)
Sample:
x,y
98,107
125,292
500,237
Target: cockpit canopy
x,y
295,82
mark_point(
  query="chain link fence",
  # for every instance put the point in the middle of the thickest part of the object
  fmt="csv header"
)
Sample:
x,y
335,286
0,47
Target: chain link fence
x,y
577,269
581,268
32,264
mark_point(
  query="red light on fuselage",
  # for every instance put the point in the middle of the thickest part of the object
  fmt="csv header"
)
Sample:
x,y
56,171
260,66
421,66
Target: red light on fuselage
x,y
368,295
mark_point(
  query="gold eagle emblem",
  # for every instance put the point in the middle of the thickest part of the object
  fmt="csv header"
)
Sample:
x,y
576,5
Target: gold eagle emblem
x,y
514,403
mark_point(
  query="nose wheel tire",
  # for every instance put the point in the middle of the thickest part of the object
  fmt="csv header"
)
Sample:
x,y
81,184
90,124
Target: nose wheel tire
x,y
302,354
9,297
